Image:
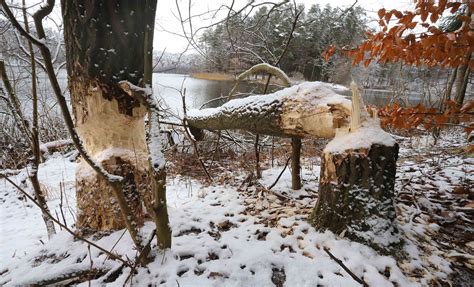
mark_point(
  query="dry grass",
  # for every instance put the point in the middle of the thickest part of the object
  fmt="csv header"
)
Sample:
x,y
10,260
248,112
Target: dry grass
x,y
226,164
213,76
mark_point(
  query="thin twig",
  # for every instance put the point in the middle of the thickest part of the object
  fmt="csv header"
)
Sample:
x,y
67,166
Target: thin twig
x,y
339,261
111,255
281,173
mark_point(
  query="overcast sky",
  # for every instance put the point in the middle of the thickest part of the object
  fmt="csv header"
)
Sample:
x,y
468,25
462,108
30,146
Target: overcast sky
x,y
168,30
168,23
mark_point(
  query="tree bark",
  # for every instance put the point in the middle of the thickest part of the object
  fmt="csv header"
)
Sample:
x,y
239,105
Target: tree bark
x,y
98,37
295,163
256,146
356,195
157,174
462,82
308,109
449,87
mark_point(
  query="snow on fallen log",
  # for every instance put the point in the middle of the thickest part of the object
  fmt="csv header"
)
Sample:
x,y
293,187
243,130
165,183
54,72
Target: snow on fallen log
x,y
368,134
307,109
363,131
55,145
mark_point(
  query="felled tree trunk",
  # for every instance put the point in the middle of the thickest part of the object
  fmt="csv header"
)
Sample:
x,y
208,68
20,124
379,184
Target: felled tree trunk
x,y
356,188
99,37
308,109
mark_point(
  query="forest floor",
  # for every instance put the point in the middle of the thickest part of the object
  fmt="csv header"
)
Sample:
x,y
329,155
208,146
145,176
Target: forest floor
x,y
236,232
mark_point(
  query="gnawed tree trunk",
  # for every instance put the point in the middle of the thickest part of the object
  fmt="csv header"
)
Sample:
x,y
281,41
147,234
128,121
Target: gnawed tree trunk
x,y
105,44
307,109
356,194
357,179
256,69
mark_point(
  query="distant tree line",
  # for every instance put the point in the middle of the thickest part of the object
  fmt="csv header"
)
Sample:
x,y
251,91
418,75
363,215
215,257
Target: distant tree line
x,y
179,63
245,40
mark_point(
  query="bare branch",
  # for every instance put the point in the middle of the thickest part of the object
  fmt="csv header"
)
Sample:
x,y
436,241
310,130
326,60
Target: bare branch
x,y
110,254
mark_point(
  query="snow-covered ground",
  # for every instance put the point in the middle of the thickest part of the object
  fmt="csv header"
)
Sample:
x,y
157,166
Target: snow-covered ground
x,y
240,234
21,226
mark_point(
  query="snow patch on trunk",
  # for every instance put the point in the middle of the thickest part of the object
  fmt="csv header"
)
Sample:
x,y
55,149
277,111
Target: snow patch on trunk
x,y
368,134
85,171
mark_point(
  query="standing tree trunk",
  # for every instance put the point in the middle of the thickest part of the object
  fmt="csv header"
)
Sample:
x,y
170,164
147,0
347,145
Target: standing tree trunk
x,y
356,194
157,174
295,163
357,179
465,69
105,44
449,87
462,82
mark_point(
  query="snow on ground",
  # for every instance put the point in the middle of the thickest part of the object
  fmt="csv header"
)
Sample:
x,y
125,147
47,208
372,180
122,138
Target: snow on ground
x,y
21,224
229,235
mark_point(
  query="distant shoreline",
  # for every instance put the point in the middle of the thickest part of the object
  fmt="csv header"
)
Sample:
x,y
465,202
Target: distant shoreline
x,y
213,76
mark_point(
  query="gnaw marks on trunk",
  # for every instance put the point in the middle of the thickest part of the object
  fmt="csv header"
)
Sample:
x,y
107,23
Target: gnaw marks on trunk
x,y
307,109
116,140
356,190
105,44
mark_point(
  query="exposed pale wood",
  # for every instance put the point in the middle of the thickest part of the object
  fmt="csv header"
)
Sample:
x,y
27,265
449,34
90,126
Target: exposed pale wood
x,y
295,115
356,116
114,182
110,122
